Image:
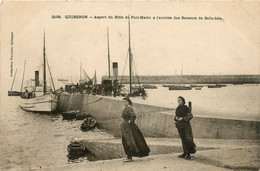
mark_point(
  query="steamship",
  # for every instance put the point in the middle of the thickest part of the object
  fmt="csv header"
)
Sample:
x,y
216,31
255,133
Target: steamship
x,y
39,98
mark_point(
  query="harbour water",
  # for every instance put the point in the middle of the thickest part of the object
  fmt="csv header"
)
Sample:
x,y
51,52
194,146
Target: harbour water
x,y
233,101
32,140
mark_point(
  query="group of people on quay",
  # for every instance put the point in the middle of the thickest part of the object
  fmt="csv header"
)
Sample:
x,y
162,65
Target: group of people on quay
x,y
104,89
133,140
89,88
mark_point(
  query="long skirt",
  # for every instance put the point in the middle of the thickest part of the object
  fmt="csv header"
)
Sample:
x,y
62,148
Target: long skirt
x,y
185,132
133,140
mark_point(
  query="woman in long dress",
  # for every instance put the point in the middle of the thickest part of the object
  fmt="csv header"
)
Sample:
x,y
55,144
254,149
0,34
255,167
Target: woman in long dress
x,y
132,139
182,118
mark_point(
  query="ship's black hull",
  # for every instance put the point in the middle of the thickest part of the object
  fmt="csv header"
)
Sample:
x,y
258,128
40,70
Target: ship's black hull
x,y
14,93
216,86
179,88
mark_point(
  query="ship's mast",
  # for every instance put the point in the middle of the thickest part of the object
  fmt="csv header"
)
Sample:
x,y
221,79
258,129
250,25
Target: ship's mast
x,y
51,79
130,59
44,66
23,75
80,71
108,53
95,78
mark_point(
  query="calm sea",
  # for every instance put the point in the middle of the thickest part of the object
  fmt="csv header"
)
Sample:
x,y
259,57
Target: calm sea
x,y
32,140
233,101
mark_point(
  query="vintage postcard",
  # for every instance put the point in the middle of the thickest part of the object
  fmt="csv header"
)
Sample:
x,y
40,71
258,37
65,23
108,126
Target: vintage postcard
x,y
120,85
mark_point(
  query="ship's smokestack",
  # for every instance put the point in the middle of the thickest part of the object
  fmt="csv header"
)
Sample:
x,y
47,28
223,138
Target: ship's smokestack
x,y
115,83
115,70
37,82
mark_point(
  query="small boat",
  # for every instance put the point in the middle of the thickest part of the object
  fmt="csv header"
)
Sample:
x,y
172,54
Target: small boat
x,y
88,124
82,115
149,87
222,85
195,85
197,88
69,115
217,86
76,149
179,88
166,85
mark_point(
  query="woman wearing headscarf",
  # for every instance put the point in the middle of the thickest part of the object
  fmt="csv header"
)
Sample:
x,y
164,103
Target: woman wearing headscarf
x,y
182,118
132,139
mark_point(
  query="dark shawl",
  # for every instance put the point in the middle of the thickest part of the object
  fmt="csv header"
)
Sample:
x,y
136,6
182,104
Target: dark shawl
x,y
131,134
184,128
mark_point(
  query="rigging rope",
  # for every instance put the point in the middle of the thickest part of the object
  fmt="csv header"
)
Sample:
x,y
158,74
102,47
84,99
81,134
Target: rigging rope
x,y
124,67
41,64
135,69
86,75
51,83
136,73
95,101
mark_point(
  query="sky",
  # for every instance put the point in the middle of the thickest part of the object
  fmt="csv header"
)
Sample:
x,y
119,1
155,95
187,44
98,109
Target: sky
x,y
160,47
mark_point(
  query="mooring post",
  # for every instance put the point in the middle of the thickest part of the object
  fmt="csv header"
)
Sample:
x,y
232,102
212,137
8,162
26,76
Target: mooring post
x,y
190,106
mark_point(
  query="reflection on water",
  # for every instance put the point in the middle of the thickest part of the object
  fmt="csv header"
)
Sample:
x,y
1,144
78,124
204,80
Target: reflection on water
x,y
31,140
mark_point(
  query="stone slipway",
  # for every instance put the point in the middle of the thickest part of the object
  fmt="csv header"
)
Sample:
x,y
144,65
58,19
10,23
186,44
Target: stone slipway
x,y
212,154
112,148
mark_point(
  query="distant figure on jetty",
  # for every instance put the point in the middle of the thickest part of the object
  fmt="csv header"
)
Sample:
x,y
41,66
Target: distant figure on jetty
x,y
132,139
73,88
182,118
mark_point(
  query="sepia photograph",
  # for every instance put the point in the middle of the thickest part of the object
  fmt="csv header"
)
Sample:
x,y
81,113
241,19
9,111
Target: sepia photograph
x,y
129,85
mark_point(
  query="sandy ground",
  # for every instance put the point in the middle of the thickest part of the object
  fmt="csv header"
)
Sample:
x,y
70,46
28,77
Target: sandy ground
x,y
237,158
